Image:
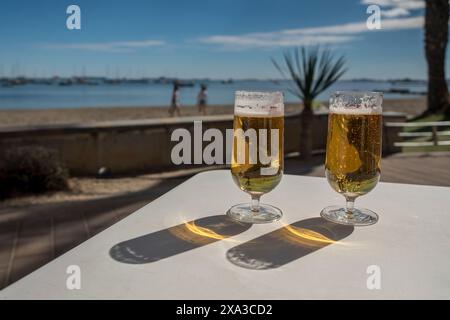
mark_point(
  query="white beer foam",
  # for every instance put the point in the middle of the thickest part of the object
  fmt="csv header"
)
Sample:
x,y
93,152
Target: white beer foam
x,y
259,104
356,111
358,103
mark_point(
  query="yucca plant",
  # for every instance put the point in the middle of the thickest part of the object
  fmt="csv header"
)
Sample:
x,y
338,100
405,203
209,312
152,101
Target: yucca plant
x,y
312,72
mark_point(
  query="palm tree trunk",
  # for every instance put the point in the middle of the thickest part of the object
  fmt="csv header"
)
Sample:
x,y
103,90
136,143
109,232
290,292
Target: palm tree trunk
x,y
307,117
436,34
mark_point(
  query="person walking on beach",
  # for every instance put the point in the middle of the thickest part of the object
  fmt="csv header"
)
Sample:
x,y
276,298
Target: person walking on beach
x,y
175,103
202,99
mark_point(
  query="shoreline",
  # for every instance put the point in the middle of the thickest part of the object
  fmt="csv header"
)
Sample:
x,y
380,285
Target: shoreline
x,y
11,117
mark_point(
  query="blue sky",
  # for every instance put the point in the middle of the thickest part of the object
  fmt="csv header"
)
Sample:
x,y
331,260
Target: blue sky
x,y
206,38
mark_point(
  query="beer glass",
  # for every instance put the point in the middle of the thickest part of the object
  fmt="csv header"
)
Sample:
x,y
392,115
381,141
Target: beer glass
x,y
353,156
257,154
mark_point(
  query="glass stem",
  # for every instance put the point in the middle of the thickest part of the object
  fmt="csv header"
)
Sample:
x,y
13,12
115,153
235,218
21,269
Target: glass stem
x,y
255,202
350,203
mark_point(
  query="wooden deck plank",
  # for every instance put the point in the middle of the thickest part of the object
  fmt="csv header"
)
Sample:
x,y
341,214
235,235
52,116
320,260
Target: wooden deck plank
x,y
8,240
69,231
33,248
99,221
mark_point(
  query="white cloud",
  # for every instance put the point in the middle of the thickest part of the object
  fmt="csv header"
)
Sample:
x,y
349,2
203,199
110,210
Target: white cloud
x,y
402,24
360,27
271,40
308,36
396,8
405,4
116,46
395,12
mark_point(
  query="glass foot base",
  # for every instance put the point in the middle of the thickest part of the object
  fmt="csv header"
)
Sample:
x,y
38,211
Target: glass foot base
x,y
360,217
243,213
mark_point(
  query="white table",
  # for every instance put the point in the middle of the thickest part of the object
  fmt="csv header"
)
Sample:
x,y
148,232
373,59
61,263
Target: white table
x,y
410,244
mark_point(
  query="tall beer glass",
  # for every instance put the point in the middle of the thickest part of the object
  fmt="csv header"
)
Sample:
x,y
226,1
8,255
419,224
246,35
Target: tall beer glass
x,y
257,154
353,153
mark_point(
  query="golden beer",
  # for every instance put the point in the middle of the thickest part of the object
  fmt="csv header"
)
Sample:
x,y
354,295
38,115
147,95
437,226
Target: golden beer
x,y
257,153
246,171
353,152
353,158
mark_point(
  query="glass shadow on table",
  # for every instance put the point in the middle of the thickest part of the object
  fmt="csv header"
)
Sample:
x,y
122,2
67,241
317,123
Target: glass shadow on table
x,y
284,245
177,239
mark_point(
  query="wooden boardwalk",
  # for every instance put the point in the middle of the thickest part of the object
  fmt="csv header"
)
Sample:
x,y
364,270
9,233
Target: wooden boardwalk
x,y
33,236
413,168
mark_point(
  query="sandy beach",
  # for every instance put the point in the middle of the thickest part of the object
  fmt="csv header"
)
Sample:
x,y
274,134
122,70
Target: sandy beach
x,y
411,107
